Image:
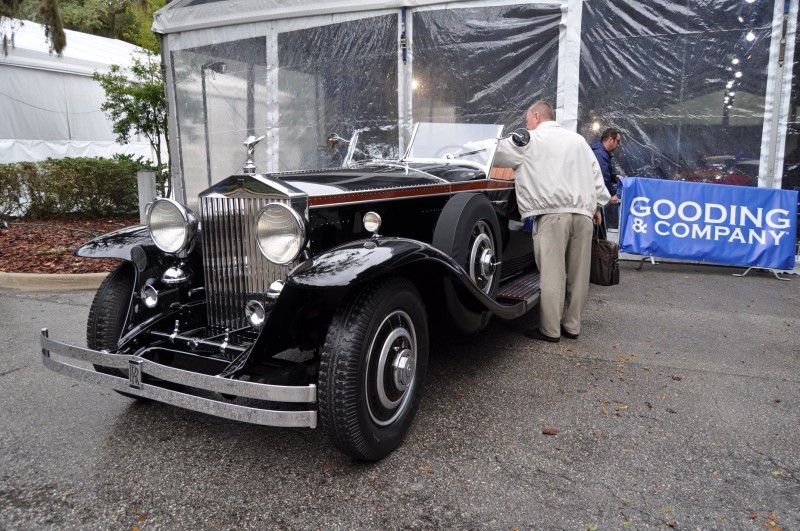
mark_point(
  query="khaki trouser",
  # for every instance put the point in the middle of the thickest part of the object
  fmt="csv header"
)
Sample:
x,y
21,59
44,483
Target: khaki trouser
x,y
562,245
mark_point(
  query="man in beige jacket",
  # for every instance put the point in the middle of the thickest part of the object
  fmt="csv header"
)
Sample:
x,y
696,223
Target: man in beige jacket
x,y
559,183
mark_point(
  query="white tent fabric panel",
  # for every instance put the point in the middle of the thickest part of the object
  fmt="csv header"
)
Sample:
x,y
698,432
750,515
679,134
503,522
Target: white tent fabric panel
x,y
50,105
28,111
47,105
35,150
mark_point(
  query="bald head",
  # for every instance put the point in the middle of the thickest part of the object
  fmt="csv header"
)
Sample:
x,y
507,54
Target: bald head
x,y
539,112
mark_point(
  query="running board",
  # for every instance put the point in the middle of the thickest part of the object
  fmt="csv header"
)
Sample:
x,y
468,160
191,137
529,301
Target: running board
x,y
524,287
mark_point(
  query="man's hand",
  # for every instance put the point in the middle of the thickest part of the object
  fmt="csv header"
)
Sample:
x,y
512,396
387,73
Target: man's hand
x,y
597,218
614,200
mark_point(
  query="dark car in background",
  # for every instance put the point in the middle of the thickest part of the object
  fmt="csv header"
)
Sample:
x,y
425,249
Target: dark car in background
x,y
305,298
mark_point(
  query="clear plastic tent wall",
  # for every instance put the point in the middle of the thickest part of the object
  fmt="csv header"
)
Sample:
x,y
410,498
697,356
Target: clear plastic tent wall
x,y
297,80
697,87
686,82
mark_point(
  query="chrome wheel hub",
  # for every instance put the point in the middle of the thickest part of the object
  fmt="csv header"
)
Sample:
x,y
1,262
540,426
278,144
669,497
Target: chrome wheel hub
x,y
403,369
391,368
481,261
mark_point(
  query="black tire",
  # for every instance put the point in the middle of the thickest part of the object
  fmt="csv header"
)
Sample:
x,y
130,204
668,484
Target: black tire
x,y
108,314
469,232
372,367
109,308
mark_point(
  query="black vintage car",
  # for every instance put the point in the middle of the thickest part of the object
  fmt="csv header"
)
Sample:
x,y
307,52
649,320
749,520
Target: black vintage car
x,y
300,298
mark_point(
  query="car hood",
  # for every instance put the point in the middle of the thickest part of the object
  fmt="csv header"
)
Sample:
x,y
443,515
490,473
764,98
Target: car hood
x,y
368,177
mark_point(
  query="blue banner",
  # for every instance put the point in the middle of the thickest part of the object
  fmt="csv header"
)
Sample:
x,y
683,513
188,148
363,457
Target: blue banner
x,y
716,223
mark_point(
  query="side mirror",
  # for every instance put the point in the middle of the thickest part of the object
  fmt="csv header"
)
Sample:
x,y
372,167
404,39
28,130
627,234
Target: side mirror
x,y
520,137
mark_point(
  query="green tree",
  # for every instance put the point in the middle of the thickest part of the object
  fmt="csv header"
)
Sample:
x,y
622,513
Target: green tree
x,y
137,104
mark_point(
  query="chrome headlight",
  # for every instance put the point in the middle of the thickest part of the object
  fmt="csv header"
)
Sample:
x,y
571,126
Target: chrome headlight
x,y
280,233
171,226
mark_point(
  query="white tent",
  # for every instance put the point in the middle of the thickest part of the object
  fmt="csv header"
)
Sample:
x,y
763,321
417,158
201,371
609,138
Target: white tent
x,y
709,78
50,105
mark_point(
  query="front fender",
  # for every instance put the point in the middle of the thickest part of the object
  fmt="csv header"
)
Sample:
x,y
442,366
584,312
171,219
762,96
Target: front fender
x,y
120,244
365,260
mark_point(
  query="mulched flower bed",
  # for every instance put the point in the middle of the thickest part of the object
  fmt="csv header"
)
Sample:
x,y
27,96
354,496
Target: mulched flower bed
x,y
47,246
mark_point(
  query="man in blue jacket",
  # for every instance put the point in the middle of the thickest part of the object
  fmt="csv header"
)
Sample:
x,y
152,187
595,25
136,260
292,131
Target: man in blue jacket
x,y
603,149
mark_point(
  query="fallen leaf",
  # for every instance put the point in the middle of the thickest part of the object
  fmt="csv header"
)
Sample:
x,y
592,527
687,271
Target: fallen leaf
x,y
376,510
64,493
597,433
620,408
426,469
666,510
777,474
752,516
372,479
626,501
677,377
624,452
670,523
591,527
328,465
646,369
623,358
604,411
714,473
142,517
772,516
460,394
550,431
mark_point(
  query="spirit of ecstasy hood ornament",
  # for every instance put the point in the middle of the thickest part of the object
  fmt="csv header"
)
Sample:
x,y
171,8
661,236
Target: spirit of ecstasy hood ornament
x,y
249,166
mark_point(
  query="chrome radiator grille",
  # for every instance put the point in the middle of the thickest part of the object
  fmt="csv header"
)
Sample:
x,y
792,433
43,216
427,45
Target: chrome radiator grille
x,y
235,270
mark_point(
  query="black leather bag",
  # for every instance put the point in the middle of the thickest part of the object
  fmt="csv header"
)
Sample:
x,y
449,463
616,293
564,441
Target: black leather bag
x,y
605,262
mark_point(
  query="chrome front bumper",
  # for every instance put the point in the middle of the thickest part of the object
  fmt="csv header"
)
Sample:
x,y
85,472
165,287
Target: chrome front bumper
x,y
138,367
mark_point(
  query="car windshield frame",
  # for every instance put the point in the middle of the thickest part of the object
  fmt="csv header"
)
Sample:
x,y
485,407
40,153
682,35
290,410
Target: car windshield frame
x,y
470,144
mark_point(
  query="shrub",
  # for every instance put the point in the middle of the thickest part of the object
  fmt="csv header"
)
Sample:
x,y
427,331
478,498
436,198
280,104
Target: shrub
x,y
80,187
12,185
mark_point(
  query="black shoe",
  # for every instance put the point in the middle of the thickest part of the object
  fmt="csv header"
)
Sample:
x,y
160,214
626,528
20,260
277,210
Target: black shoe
x,y
534,333
568,334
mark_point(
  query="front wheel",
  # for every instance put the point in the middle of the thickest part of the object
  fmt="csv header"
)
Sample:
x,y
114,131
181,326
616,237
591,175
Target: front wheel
x,y
109,313
372,367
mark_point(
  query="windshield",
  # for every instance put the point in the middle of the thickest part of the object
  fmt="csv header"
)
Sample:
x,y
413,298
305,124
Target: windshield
x,y
463,142
473,144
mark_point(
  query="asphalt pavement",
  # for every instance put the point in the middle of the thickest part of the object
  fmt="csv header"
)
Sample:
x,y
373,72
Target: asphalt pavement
x,y
677,408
